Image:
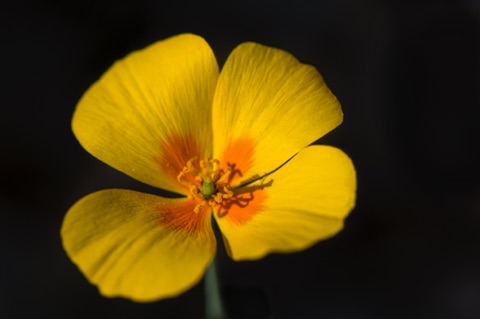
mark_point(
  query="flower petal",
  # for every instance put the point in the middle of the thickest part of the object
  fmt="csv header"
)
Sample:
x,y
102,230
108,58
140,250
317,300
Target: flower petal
x,y
269,106
151,112
301,203
138,246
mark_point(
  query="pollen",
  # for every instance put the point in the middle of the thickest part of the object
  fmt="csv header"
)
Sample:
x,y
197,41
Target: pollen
x,y
208,183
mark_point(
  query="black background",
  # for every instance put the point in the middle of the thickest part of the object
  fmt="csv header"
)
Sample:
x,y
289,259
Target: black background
x,y
407,75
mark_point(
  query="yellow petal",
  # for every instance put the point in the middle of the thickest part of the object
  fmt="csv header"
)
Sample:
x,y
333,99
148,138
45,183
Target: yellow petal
x,y
267,107
151,112
301,203
138,246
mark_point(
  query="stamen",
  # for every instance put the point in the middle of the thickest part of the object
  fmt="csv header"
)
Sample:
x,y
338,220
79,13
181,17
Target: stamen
x,y
228,193
199,207
217,198
195,192
212,202
190,167
225,175
180,177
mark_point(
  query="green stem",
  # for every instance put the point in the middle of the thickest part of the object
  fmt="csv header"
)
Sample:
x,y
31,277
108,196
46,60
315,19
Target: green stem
x,y
213,300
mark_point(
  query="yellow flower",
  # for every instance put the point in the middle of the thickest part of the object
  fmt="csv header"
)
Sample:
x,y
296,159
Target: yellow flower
x,y
233,143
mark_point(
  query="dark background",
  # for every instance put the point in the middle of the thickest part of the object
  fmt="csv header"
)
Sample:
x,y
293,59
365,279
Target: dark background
x,y
407,75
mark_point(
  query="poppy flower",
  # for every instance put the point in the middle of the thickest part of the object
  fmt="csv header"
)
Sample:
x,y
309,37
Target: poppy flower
x,y
234,143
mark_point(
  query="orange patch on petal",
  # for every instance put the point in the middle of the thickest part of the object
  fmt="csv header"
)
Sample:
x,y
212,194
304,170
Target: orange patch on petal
x,y
239,156
243,206
176,150
181,217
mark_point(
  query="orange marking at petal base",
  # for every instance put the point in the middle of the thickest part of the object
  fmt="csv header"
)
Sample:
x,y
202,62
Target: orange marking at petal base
x,y
181,217
243,206
238,154
176,150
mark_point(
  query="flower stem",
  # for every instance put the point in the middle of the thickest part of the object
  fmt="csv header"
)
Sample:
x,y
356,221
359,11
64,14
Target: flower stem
x,y
213,300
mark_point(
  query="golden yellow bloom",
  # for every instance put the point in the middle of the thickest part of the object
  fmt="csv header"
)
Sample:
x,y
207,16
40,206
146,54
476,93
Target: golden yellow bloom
x,y
234,143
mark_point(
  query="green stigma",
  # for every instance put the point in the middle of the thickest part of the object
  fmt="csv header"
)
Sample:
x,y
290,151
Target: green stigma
x,y
208,188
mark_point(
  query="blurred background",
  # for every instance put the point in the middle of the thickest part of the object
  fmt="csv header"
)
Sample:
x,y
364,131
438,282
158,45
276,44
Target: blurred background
x,y
407,74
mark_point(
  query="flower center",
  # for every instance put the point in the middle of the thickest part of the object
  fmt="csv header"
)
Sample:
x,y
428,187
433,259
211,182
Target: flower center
x,y
209,183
